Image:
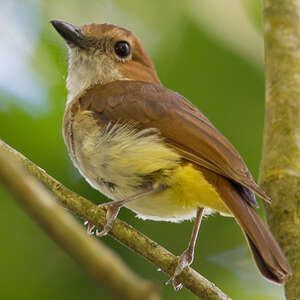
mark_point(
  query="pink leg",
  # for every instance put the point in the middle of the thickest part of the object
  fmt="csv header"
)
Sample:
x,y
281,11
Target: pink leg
x,y
187,257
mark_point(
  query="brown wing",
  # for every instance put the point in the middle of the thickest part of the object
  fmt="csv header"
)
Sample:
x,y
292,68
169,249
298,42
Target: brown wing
x,y
183,126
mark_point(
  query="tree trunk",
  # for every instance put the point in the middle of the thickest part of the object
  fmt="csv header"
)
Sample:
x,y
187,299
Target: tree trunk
x,y
280,170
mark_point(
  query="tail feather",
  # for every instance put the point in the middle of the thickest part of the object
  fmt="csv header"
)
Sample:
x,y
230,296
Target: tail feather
x,y
278,278
267,254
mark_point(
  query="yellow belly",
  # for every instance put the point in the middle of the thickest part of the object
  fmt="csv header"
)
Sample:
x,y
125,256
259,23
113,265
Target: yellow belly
x,y
188,190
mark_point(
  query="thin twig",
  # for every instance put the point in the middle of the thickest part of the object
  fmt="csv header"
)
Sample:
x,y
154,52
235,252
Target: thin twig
x,y
104,265
121,231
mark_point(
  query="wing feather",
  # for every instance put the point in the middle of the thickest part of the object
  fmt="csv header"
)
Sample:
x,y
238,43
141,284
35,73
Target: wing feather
x,y
183,126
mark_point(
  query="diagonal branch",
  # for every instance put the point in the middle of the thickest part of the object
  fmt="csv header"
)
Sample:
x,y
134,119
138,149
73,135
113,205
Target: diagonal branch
x,y
100,262
121,231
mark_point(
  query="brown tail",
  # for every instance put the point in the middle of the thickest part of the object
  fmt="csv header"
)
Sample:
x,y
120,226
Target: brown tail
x,y
267,254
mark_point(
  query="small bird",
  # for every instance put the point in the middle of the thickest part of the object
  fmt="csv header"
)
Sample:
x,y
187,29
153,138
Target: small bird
x,y
149,149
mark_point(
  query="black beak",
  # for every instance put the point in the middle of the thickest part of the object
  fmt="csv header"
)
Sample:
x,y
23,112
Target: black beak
x,y
70,33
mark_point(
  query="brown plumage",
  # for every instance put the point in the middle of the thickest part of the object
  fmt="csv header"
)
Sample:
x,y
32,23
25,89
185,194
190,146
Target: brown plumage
x,y
127,90
189,132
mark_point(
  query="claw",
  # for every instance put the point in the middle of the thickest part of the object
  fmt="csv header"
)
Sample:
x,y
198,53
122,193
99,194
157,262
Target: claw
x,y
184,261
104,232
90,227
176,286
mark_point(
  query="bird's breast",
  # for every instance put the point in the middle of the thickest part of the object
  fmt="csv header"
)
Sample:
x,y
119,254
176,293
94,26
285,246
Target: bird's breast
x,y
121,160
117,159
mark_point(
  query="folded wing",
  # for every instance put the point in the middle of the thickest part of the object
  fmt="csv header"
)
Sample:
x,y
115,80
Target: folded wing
x,y
183,126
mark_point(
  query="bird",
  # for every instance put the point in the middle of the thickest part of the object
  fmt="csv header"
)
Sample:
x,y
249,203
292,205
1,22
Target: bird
x,y
151,150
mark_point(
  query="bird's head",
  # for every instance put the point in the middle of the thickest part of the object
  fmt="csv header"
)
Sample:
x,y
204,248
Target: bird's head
x,y
102,53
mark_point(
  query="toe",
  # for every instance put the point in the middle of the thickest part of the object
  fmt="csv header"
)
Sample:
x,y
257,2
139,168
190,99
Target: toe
x,y
184,261
106,229
176,286
90,228
101,233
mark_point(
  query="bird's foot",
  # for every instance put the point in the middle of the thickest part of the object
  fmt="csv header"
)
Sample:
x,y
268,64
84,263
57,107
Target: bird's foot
x,y
111,214
112,210
90,227
185,259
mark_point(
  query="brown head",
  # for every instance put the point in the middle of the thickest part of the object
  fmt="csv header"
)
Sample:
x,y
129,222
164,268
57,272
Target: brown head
x,y
102,53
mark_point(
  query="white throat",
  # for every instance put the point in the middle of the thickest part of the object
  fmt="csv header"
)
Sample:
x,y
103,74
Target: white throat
x,y
86,70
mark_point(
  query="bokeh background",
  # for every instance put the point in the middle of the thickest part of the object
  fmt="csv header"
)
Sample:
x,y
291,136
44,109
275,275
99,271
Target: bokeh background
x,y
210,51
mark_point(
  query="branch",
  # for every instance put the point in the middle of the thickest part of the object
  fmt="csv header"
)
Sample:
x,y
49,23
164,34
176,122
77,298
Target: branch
x,y
121,231
280,171
105,266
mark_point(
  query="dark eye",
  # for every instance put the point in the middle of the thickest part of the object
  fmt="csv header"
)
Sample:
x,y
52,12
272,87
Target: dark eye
x,y
122,49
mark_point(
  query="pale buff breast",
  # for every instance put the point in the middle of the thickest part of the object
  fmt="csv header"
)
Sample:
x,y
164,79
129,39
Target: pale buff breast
x,y
118,159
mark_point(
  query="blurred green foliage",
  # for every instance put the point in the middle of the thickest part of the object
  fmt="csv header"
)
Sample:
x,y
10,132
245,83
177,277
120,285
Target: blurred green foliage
x,y
253,8
222,83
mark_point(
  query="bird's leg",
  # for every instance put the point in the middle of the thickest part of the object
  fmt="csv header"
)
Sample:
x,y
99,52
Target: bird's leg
x,y
113,208
187,257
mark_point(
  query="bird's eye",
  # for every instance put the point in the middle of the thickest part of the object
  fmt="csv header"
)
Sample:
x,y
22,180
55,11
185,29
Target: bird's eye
x,y
122,49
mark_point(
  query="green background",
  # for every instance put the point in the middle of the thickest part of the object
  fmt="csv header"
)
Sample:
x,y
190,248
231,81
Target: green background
x,y
224,83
